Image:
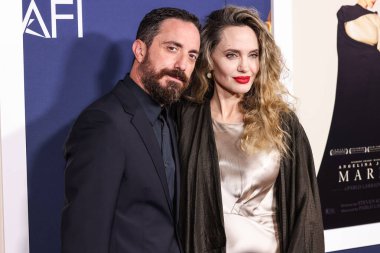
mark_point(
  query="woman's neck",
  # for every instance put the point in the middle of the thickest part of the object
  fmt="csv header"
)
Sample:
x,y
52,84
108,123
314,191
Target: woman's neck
x,y
225,107
363,3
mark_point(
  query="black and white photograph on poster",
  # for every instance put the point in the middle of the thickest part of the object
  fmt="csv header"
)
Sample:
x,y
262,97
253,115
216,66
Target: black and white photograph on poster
x,y
349,175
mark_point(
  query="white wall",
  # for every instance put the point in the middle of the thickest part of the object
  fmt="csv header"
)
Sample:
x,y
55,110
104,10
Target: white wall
x,y
315,68
282,17
1,204
12,113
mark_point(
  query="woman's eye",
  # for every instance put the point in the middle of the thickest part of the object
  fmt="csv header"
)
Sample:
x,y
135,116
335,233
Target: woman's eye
x,y
254,55
231,56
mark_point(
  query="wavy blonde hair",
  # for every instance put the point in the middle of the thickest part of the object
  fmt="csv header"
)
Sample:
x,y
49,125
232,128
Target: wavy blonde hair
x,y
263,105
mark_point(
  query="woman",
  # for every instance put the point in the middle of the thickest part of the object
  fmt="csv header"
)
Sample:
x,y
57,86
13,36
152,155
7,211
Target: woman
x,y
354,130
248,180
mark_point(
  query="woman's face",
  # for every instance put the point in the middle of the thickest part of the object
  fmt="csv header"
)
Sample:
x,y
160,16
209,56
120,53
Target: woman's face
x,y
236,60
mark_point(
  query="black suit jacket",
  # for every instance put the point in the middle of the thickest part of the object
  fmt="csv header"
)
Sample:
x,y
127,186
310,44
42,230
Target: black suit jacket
x,y
116,193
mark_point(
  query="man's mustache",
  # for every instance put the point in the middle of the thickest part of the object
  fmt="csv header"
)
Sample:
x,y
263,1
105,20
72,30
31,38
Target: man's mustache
x,y
176,73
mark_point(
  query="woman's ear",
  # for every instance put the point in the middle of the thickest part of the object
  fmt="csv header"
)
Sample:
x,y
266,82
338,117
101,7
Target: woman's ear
x,y
139,49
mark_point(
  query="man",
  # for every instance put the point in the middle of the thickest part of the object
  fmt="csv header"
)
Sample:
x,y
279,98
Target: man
x,y
122,172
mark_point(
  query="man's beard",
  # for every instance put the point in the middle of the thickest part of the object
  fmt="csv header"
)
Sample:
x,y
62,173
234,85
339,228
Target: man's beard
x,y
163,95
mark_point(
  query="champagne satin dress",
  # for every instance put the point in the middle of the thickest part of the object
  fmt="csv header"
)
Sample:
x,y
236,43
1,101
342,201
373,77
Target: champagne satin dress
x,y
247,186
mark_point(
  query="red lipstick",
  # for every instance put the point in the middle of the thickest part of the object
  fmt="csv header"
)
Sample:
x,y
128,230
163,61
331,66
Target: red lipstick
x,y
242,79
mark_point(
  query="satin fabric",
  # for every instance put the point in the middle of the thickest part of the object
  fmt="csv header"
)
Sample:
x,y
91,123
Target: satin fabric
x,y
247,182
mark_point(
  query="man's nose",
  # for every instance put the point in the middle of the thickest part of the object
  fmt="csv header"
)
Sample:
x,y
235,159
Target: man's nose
x,y
181,62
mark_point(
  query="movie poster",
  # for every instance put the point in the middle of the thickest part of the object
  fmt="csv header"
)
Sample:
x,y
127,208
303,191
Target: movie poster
x,y
349,175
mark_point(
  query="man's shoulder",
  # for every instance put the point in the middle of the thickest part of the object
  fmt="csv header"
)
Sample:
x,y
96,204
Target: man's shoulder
x,y
110,102
107,108
103,117
107,102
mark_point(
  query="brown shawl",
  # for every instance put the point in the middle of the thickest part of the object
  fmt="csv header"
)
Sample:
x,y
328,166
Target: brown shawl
x,y
201,212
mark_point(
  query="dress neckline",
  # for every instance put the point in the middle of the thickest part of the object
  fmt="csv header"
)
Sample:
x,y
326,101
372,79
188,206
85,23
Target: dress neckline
x,y
227,124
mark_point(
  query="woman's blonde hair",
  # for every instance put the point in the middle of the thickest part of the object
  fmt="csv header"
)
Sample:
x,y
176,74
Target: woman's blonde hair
x,y
263,105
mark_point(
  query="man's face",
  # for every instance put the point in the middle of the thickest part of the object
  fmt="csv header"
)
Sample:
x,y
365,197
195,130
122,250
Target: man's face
x,y
170,60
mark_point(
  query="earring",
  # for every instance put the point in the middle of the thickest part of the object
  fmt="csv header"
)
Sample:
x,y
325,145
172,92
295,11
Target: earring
x,y
209,75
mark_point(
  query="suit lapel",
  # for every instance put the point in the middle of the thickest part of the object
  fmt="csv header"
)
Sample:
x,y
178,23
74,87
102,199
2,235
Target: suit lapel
x,y
145,130
143,127
173,133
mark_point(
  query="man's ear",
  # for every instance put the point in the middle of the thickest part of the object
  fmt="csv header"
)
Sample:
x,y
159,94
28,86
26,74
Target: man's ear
x,y
139,49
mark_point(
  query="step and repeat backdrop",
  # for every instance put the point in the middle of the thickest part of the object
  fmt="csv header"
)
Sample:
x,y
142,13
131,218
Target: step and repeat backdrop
x,y
74,52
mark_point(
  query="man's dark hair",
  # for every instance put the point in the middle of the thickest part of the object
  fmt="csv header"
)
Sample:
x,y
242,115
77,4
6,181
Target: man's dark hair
x,y
150,24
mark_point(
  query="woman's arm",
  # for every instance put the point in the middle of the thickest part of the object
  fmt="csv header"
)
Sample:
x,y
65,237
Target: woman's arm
x,y
304,225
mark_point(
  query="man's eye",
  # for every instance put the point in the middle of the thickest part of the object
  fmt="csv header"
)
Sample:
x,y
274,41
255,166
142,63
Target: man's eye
x,y
194,57
172,49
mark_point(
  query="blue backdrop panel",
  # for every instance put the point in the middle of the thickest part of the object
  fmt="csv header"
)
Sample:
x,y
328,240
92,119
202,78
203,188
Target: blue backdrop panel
x,y
263,6
373,249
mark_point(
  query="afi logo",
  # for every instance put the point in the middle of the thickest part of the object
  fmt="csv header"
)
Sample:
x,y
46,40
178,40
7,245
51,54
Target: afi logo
x,y
54,17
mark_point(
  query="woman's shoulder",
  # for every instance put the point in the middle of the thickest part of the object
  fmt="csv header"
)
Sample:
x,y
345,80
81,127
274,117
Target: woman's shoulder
x,y
291,123
375,19
188,103
289,117
187,110
186,106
